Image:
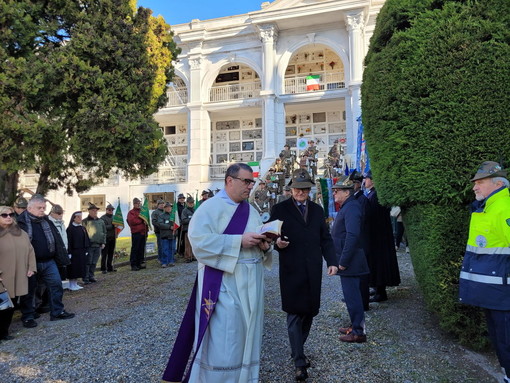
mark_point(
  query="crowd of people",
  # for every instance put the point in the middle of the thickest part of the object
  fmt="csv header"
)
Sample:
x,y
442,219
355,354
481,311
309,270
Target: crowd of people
x,y
222,327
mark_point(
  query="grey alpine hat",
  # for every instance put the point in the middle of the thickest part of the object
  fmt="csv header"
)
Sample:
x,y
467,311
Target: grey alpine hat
x,y
343,183
301,180
21,202
489,169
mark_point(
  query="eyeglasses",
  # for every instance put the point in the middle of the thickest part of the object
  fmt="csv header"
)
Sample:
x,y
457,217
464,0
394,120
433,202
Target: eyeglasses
x,y
246,181
5,215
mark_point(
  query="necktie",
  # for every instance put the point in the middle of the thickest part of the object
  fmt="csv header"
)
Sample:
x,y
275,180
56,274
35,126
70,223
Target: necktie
x,y
302,208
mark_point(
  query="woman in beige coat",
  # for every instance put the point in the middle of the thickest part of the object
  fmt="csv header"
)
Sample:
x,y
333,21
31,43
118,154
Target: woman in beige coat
x,y
17,263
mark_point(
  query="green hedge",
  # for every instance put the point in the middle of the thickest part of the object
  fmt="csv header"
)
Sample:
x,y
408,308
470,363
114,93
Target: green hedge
x,y
435,101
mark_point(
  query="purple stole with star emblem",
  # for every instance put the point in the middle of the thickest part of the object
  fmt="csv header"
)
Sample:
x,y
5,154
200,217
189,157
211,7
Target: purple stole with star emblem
x,y
183,345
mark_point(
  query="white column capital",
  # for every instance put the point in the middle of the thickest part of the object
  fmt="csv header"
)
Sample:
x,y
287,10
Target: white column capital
x,y
355,21
195,63
268,33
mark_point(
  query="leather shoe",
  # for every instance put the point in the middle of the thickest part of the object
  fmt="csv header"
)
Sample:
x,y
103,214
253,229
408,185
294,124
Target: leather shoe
x,y
142,266
135,268
112,270
63,315
353,338
37,315
372,291
29,323
378,298
301,374
104,271
345,330
7,337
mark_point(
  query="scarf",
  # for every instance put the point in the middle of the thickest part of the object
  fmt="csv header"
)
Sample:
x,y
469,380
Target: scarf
x,y
28,219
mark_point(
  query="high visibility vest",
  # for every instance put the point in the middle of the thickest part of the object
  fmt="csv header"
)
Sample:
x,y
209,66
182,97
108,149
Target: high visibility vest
x,y
485,275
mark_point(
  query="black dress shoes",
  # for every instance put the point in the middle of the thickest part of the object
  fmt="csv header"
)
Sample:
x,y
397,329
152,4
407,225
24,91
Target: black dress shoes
x,y
378,298
135,268
63,315
29,323
301,374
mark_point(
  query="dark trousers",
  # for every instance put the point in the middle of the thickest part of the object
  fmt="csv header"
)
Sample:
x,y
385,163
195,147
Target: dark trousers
x,y
107,255
26,302
137,249
498,324
181,244
354,303
298,327
364,285
5,321
399,234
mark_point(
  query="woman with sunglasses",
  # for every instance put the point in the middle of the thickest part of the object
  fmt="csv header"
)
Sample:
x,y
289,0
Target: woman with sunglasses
x,y
17,263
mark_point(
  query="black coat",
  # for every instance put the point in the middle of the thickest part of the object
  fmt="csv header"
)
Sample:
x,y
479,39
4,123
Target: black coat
x,y
301,264
382,257
78,246
346,233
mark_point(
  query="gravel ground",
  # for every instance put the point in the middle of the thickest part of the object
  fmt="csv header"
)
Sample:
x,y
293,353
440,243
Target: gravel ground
x,y
126,323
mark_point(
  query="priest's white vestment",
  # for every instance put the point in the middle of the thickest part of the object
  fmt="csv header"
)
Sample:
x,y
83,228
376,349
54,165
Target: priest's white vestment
x,y
230,349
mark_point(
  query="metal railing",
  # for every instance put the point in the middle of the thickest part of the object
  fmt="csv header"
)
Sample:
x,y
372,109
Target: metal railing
x,y
167,175
328,81
234,91
177,96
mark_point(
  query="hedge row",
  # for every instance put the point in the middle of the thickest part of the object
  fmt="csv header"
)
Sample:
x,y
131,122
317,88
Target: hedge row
x,y
435,101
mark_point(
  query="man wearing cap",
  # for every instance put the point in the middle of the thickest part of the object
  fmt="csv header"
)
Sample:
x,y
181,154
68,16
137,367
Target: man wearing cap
x,y
166,233
186,215
352,263
20,205
287,158
382,257
109,248
484,277
229,306
138,236
305,242
154,220
96,229
181,204
205,197
357,179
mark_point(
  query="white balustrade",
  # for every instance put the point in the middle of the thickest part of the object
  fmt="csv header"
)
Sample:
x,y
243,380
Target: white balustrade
x,y
234,91
328,81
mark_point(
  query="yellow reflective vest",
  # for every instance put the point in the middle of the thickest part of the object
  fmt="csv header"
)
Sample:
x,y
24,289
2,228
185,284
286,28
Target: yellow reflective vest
x,y
485,275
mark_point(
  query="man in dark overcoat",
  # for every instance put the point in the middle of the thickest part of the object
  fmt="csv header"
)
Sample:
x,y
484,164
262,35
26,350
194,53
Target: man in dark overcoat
x,y
382,257
304,243
352,263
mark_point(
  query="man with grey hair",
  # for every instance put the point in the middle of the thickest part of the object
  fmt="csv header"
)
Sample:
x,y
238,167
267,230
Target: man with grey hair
x,y
49,250
484,279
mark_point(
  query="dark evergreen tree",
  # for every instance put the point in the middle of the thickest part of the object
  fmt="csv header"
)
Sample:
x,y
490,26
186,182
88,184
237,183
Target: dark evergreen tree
x,y
435,105
78,88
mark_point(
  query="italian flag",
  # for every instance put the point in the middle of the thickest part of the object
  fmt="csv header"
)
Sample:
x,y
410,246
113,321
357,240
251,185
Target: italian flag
x,y
312,82
256,168
175,213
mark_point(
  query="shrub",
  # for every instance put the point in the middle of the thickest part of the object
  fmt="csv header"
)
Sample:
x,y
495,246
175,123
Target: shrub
x,y
435,105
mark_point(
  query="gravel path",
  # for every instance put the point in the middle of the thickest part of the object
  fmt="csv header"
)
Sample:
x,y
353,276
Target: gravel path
x,y
126,324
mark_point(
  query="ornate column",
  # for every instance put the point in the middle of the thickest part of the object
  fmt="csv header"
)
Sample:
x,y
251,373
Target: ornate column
x,y
268,36
199,122
354,22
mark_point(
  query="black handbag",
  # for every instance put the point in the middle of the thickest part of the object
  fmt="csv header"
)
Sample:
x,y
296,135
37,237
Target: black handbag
x,y
5,299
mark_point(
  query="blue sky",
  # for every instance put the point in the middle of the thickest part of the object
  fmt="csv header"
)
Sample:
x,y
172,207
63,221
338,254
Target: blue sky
x,y
179,11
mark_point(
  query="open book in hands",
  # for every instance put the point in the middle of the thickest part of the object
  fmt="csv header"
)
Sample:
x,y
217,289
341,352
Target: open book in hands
x,y
271,230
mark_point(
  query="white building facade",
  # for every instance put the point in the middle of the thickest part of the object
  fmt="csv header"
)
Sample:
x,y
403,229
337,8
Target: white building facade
x,y
241,93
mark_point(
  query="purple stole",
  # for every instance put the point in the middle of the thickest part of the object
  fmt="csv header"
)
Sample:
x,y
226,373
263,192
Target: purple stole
x,y
183,345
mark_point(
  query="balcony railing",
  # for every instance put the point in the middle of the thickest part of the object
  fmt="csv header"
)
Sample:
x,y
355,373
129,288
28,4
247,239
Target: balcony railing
x,y
234,91
328,81
217,171
167,175
177,96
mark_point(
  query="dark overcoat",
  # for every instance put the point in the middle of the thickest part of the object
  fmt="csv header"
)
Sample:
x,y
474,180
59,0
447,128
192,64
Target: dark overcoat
x,y
301,263
78,246
382,257
346,233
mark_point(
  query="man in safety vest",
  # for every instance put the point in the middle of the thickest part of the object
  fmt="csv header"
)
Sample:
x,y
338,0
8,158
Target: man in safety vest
x,y
485,274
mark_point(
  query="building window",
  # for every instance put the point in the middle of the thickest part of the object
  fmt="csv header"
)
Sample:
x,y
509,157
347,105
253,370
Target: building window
x,y
154,197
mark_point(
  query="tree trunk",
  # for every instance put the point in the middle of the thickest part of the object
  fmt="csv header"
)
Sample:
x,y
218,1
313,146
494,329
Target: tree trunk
x,y
8,187
43,185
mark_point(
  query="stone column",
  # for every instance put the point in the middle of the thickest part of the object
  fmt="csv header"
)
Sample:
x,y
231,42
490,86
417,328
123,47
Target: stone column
x,y
199,132
354,22
268,36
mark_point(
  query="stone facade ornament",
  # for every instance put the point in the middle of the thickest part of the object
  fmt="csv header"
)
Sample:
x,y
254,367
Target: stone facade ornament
x,y
195,63
354,21
268,33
